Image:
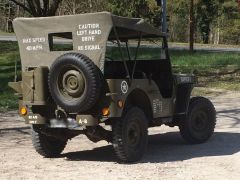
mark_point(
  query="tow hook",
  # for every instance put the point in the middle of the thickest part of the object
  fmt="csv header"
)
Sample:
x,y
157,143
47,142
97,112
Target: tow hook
x,y
60,114
63,121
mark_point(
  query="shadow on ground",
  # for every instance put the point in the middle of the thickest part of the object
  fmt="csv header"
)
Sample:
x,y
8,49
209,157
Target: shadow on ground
x,y
232,114
22,130
167,148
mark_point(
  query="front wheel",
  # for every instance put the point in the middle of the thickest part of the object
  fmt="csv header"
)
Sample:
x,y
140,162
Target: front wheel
x,y
130,135
46,146
200,122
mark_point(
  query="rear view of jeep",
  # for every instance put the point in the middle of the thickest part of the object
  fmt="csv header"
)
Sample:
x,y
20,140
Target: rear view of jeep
x,y
104,76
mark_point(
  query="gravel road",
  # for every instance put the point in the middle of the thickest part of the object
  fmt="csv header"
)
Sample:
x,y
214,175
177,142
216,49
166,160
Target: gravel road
x,y
168,157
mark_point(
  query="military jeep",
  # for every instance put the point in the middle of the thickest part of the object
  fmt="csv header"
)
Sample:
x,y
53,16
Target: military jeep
x,y
104,76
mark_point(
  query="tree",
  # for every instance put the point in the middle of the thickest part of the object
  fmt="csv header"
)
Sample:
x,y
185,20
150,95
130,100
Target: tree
x,y
39,8
178,10
230,22
146,9
215,21
191,26
8,11
207,11
83,6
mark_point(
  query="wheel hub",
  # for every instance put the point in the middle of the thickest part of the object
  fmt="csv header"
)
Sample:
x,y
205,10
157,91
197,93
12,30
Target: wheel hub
x,y
133,134
200,121
73,83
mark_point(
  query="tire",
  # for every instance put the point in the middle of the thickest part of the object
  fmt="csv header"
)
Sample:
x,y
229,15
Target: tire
x,y
46,146
200,122
130,147
74,82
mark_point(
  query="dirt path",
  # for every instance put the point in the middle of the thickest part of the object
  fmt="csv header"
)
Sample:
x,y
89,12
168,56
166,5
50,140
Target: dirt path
x,y
168,157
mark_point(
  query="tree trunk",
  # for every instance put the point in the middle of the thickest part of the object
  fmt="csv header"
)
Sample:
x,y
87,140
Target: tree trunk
x,y
218,35
205,34
211,37
191,27
35,9
17,12
24,2
74,7
90,5
8,17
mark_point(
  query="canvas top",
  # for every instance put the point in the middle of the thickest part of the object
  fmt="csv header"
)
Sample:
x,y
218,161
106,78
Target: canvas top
x,y
87,32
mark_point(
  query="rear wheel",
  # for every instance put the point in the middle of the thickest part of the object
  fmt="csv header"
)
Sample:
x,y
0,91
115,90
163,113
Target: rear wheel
x,y
200,122
130,135
46,146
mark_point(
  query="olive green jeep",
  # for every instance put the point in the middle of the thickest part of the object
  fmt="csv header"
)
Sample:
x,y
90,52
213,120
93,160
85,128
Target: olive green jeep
x,y
104,76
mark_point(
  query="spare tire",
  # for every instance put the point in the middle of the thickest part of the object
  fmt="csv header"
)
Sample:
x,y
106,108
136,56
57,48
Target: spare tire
x,y
74,82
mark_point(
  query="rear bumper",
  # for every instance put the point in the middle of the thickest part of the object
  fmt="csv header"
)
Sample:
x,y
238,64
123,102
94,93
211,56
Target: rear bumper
x,y
81,120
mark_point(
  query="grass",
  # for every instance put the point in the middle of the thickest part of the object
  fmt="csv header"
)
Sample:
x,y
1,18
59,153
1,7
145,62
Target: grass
x,y
3,33
206,64
183,60
203,61
214,69
8,54
205,45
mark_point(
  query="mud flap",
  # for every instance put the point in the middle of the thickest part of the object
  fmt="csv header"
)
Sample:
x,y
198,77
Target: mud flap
x,y
183,98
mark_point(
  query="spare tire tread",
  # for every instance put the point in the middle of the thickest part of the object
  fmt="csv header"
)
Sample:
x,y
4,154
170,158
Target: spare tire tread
x,y
91,74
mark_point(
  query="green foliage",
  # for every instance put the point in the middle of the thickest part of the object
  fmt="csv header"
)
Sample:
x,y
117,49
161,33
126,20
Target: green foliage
x,y
178,12
147,9
8,54
216,21
83,6
207,11
230,22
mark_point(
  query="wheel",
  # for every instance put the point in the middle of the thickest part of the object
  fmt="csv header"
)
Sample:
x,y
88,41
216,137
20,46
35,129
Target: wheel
x,y
130,135
200,122
74,82
46,146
